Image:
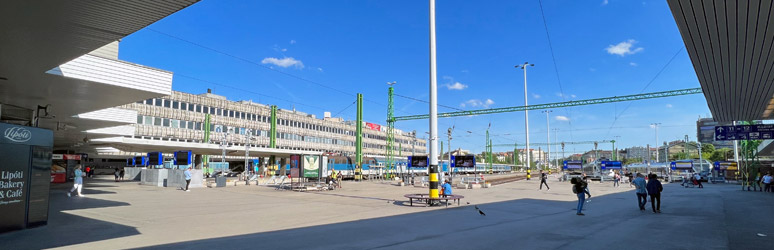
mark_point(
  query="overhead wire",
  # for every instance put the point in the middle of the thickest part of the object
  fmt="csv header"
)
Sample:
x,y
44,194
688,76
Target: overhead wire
x,y
615,119
556,67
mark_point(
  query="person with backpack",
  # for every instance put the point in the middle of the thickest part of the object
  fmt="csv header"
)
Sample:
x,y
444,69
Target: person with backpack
x,y
617,178
641,191
654,190
543,178
579,188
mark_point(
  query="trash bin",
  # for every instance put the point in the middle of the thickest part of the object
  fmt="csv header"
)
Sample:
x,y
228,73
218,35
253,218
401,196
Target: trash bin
x,y
220,181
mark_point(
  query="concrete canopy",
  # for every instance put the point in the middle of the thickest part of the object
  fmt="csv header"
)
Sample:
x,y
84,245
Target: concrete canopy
x,y
731,46
147,145
43,46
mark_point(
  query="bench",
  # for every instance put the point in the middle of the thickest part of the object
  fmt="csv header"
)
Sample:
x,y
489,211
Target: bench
x,y
427,198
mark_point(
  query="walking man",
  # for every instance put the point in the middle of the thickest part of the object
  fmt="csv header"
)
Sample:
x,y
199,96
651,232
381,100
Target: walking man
x,y
654,190
543,178
617,178
579,189
698,180
641,190
187,174
767,179
77,181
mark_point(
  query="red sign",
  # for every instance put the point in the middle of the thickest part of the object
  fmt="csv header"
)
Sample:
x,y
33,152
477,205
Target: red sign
x,y
372,126
72,157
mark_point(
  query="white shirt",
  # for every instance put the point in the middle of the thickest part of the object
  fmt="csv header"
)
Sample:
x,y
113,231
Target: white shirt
x,y
767,179
698,177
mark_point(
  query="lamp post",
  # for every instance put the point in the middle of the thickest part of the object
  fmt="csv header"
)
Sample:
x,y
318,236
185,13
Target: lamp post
x,y
526,113
655,125
448,169
548,138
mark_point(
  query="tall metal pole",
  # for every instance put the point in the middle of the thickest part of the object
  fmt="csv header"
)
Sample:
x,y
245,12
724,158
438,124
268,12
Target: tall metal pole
x,y
736,149
433,175
548,138
247,152
556,138
526,113
390,129
655,125
448,165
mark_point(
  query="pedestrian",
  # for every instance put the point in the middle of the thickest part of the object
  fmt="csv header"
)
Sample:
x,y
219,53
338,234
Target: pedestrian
x,y
631,176
543,179
616,179
755,182
697,176
767,179
88,169
339,179
187,174
91,172
641,191
116,173
77,181
121,174
579,189
654,190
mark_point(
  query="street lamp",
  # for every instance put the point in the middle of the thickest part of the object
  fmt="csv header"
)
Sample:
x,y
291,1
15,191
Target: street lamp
x,y
526,113
655,125
548,138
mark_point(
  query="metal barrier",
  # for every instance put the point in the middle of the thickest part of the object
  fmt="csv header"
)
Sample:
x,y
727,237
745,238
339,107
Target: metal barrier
x,y
472,180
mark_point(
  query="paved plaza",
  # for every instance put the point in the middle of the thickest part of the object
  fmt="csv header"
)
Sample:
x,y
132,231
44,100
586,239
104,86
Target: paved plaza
x,y
368,215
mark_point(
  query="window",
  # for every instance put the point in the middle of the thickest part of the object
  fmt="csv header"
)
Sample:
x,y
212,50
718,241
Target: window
x,y
198,108
190,125
156,121
165,122
175,123
148,120
230,113
212,110
149,101
139,119
167,103
198,126
183,106
176,105
220,111
183,124
191,107
158,102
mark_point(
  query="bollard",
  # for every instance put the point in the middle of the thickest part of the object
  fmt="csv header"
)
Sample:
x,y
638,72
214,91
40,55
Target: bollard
x,y
433,179
528,176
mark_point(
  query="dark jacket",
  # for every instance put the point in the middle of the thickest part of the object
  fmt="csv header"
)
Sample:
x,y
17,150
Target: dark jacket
x,y
654,186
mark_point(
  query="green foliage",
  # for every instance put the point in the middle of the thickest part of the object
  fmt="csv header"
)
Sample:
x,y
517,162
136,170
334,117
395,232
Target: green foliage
x,y
628,161
707,148
721,154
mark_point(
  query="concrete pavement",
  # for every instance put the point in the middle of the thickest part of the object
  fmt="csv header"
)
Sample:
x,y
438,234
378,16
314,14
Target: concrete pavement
x,y
371,215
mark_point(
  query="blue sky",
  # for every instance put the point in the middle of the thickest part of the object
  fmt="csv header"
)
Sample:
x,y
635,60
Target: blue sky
x,y
316,55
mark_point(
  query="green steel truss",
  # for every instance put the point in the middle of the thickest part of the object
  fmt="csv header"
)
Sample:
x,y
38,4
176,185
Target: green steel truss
x,y
558,143
390,132
625,98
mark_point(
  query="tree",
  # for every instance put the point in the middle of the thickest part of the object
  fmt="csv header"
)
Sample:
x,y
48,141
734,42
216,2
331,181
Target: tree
x,y
628,161
707,148
720,154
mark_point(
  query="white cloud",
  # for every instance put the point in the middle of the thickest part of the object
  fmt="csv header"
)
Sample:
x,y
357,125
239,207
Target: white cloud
x,y
292,41
669,106
624,48
565,95
449,78
536,96
284,50
464,71
573,96
456,86
477,103
320,69
561,118
633,64
284,62
605,2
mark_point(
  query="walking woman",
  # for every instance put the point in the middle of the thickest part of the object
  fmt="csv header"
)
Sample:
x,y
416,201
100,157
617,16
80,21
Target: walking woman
x,y
77,181
654,190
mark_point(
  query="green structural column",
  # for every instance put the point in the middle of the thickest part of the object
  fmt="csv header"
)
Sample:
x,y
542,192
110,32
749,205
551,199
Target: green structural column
x,y
273,130
390,132
207,128
359,131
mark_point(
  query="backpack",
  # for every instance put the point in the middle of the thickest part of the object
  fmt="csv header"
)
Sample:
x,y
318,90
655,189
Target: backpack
x,y
575,189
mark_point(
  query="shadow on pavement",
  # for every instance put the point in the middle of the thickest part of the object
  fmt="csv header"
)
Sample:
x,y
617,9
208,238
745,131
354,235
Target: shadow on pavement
x,y
65,227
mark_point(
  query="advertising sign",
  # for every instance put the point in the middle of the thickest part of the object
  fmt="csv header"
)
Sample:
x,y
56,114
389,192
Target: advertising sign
x,y
681,165
372,126
417,161
295,161
463,161
725,165
311,166
183,158
155,158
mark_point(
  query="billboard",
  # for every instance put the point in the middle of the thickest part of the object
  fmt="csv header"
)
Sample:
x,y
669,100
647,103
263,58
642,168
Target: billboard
x,y
183,158
295,161
311,165
140,160
418,161
155,158
463,161
681,165
372,126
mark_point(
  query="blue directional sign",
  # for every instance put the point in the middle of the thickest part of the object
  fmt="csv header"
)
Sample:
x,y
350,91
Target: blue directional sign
x,y
573,165
681,165
744,132
610,165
